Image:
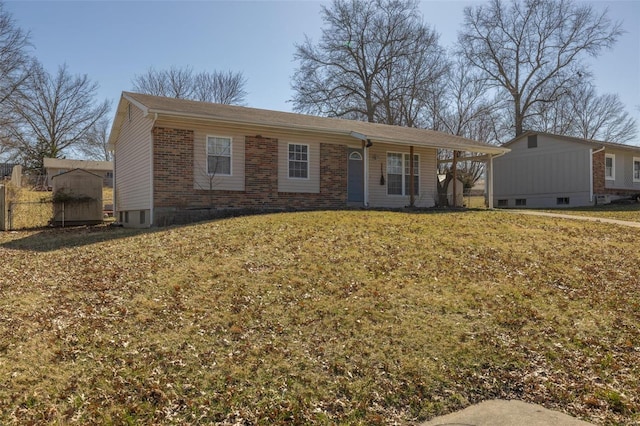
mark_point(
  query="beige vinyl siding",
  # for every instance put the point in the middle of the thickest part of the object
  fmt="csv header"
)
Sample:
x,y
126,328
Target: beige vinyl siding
x,y
133,163
238,134
378,193
311,184
234,182
201,180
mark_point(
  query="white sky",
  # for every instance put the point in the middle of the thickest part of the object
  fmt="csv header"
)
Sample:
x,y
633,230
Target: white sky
x,y
111,41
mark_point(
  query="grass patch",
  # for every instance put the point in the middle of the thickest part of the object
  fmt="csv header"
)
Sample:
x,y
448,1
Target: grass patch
x,y
355,317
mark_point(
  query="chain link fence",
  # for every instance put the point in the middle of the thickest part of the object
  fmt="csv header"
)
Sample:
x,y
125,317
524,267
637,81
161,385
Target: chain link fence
x,y
29,214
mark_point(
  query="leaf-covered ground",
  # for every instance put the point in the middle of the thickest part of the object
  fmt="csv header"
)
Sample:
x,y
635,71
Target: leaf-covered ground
x,y
355,317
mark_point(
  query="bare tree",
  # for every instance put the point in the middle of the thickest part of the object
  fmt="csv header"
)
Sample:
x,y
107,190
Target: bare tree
x,y
534,49
15,63
376,61
601,117
54,113
220,87
96,143
585,114
471,111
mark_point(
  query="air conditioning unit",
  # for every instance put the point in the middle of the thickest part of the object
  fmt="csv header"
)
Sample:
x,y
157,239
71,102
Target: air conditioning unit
x,y
603,199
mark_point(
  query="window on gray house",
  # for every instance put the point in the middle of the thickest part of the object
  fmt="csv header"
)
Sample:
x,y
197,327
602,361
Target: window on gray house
x,y
521,201
532,141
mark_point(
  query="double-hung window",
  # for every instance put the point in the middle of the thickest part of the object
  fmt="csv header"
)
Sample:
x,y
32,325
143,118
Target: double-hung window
x,y
298,161
398,174
636,169
218,156
610,167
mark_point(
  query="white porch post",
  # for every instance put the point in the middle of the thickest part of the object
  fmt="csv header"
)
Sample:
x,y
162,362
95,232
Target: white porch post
x,y
489,181
365,149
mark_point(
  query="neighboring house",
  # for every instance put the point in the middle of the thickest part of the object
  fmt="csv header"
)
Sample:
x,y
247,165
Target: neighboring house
x,y
56,166
544,170
178,161
6,169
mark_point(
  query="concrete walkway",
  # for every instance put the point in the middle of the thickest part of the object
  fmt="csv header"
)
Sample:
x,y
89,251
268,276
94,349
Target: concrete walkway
x,y
576,217
499,412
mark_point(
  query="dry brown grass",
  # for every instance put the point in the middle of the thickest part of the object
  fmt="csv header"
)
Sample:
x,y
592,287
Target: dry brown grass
x,y
326,317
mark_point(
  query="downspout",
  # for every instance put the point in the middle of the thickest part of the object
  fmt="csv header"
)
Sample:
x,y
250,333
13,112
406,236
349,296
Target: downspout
x,y
366,171
490,183
153,125
454,169
591,171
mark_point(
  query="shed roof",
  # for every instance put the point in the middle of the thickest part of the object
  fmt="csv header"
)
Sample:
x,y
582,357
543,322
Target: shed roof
x,y
232,114
591,142
63,163
75,172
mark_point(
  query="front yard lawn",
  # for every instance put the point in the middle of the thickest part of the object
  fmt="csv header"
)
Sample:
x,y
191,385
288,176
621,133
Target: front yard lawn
x,y
356,317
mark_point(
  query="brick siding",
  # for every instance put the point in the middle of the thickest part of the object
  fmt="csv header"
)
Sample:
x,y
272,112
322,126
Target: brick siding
x,y
176,200
598,173
599,181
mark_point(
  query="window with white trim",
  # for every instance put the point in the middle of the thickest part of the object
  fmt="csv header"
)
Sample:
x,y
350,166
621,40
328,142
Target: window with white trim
x,y
298,161
610,166
636,169
218,156
398,174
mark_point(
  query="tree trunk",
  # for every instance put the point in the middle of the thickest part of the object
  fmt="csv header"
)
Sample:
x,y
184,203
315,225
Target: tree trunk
x,y
518,115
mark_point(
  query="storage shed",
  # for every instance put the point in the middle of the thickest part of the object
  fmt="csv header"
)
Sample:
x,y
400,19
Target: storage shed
x,y
77,198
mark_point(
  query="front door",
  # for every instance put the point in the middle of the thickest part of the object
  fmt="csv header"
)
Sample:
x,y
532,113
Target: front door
x,y
355,179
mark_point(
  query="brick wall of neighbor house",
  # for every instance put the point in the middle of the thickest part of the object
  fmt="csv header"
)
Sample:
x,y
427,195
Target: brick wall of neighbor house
x,y
599,181
598,173
176,200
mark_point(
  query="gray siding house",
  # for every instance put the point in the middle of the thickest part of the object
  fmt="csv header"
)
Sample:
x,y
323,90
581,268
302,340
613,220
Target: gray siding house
x,y
543,170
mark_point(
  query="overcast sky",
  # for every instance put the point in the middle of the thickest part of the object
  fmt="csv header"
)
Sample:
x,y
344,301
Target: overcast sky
x,y
111,41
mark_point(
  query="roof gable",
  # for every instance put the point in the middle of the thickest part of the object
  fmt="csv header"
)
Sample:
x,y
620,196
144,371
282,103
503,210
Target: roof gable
x,y
590,142
75,172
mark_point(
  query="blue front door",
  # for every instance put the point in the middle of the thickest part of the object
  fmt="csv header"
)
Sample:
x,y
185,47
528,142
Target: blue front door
x,y
355,179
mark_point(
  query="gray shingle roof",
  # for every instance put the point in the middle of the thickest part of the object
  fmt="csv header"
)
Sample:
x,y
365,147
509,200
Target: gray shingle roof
x,y
307,123
590,142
